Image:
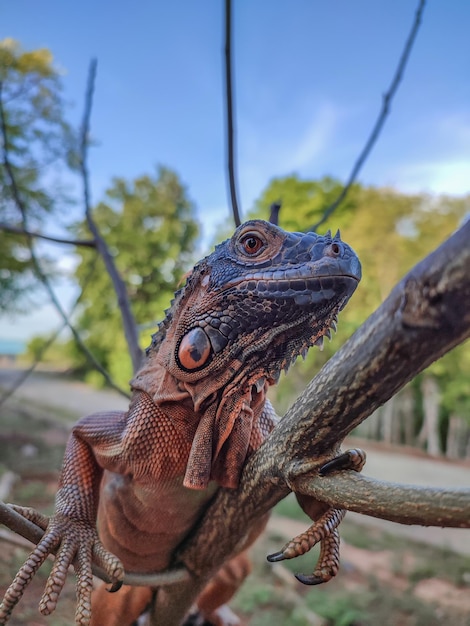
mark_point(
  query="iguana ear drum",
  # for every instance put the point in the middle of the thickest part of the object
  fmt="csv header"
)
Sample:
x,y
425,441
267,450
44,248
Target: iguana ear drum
x,y
194,350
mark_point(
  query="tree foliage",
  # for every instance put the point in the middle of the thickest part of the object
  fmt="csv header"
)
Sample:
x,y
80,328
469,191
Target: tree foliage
x,y
149,226
35,139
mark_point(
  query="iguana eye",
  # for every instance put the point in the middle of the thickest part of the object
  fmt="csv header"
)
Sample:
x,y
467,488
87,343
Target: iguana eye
x,y
194,350
251,244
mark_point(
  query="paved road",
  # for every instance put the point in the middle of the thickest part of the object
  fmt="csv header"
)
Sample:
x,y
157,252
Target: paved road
x,y
80,399
74,397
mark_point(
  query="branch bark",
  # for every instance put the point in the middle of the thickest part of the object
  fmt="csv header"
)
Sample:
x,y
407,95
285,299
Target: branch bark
x,y
426,315
405,504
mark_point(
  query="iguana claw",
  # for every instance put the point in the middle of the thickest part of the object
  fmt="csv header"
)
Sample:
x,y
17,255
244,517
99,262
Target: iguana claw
x,y
353,459
31,514
328,562
324,530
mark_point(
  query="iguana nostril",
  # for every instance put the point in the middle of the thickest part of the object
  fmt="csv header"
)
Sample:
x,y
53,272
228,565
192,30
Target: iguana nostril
x,y
333,250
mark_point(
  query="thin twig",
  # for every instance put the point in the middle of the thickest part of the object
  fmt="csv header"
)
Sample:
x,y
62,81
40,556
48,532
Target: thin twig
x,y
36,265
274,212
88,243
128,320
229,112
384,112
27,373
27,529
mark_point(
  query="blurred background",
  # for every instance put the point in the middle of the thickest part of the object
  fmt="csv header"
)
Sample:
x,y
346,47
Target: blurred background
x,y
309,82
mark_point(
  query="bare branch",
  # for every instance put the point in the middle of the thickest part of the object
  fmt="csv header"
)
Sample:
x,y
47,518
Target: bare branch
x,y
385,110
89,243
27,373
37,267
27,529
405,504
274,212
230,134
129,324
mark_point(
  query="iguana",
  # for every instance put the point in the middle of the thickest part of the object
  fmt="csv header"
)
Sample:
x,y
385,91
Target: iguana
x,y
198,410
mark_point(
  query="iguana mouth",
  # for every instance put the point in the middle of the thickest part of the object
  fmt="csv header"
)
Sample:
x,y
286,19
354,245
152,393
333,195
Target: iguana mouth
x,y
293,279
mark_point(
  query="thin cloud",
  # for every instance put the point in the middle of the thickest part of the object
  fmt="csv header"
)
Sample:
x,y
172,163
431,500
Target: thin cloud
x,y
317,139
269,152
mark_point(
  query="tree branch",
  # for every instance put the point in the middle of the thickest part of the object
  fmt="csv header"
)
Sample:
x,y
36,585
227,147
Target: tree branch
x,y
274,210
37,267
229,113
27,529
426,315
26,374
405,504
384,112
88,243
129,324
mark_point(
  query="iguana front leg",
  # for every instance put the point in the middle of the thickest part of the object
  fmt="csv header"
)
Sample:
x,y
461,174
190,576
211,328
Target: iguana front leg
x,y
324,529
71,531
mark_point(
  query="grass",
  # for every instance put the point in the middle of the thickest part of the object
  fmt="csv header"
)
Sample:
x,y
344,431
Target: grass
x,y
27,444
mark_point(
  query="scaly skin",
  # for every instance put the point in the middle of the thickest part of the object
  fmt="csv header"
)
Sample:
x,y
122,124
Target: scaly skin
x,y
198,411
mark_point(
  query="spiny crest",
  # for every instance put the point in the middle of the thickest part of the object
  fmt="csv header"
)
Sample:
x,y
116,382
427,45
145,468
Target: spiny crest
x,y
159,336
329,238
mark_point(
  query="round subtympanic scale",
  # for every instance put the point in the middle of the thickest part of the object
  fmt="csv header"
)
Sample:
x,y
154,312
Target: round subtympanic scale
x,y
195,349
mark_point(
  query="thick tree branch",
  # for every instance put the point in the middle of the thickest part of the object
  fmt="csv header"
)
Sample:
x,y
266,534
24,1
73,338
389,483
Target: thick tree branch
x,y
129,324
87,243
384,112
426,315
230,133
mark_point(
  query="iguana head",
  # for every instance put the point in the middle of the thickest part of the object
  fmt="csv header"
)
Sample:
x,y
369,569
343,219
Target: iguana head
x,y
247,311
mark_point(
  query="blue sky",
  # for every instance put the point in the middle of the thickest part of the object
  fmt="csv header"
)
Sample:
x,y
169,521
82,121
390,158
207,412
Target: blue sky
x,y
309,78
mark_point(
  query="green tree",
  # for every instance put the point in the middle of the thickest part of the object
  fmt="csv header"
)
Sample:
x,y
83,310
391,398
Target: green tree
x,y
149,226
303,202
34,140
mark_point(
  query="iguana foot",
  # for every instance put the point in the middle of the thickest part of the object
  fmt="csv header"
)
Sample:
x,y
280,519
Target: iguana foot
x,y
324,531
328,562
74,542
